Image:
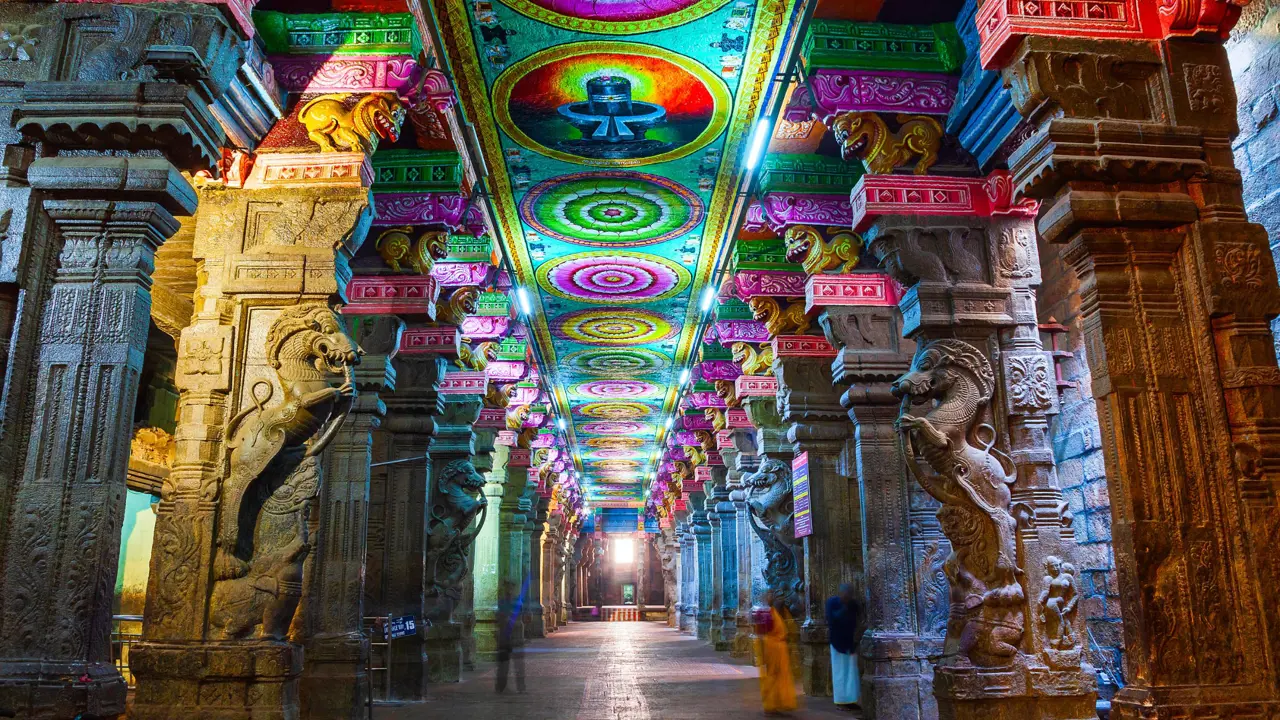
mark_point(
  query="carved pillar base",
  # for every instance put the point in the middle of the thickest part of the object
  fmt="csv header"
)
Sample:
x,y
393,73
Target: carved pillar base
x,y
408,668
237,679
336,684
815,661
42,692
443,644
971,693
897,676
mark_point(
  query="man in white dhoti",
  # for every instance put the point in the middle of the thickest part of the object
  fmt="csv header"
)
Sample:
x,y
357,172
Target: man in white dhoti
x,y
842,627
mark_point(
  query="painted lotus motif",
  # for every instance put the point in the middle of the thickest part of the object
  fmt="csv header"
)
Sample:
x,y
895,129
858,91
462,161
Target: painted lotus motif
x,y
614,326
611,104
613,277
611,209
617,362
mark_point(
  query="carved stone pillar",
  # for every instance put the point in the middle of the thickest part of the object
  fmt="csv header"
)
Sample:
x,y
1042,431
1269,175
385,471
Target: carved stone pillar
x,y
715,557
819,426
1176,294
334,681
977,441
535,623
483,462
688,580
769,500
452,508
398,513
704,568
64,513
486,570
727,562
266,379
738,464
514,536
904,592
552,543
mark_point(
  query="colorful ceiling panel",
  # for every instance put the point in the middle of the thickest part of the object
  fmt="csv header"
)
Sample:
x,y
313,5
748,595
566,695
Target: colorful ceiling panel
x,y
621,126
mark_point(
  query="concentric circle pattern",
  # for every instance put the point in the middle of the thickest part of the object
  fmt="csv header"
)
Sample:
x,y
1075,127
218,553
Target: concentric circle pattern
x,y
614,443
615,17
614,410
613,277
607,389
615,455
614,326
615,465
617,362
611,209
616,428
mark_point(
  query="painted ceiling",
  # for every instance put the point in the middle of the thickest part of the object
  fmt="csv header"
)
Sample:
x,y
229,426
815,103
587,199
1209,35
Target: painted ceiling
x,y
615,131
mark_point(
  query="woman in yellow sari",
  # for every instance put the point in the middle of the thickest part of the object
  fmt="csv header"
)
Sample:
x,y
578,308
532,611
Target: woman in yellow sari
x,y
777,686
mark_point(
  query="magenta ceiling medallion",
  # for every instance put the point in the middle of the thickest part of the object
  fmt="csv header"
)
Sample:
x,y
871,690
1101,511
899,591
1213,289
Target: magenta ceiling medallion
x,y
613,277
611,389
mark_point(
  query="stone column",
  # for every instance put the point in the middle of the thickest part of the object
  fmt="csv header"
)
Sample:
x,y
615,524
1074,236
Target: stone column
x,y
487,563
334,681
819,426
715,559
535,623
483,460
905,591
452,509
399,504
728,563
700,529
688,580
65,512
781,556
738,464
1176,294
512,528
550,558
1013,645
266,379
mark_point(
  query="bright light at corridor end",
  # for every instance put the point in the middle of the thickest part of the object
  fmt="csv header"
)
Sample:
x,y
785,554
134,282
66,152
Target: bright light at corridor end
x,y
760,138
526,304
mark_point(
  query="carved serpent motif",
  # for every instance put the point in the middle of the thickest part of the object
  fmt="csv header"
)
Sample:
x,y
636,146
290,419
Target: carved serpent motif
x,y
458,501
971,479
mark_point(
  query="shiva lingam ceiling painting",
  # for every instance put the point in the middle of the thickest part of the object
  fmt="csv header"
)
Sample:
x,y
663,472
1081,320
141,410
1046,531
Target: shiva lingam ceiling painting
x,y
623,125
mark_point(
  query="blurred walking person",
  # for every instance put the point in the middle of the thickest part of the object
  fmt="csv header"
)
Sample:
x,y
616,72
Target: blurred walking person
x,y
510,606
777,685
842,627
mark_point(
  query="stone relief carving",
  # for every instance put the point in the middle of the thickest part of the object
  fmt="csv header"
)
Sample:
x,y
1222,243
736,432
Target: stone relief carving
x,y
267,446
779,320
867,136
458,501
1206,87
476,358
971,479
1058,603
1028,382
773,520
18,42
461,303
728,392
334,128
805,245
933,254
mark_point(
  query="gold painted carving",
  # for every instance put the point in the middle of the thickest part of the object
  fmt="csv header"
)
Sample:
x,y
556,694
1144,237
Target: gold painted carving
x,y
398,250
728,392
477,358
866,135
334,128
751,361
498,396
778,320
717,417
806,246
460,304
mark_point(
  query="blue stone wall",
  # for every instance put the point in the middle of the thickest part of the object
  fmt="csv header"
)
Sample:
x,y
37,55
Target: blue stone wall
x,y
1254,51
1077,448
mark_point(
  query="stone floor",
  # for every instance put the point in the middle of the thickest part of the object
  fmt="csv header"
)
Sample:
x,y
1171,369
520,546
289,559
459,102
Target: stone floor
x,y
610,671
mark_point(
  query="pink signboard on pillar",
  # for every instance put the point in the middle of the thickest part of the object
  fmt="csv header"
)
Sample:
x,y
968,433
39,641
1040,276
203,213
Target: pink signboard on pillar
x,y
800,495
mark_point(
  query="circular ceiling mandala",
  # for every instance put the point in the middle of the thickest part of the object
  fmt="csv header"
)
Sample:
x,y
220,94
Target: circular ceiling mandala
x,y
614,410
613,276
620,466
617,362
611,209
615,454
606,389
616,428
611,104
614,326
615,17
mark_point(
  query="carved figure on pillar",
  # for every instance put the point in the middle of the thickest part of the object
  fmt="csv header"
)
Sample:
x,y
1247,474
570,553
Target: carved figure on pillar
x,y
453,527
773,520
779,320
805,245
867,136
971,478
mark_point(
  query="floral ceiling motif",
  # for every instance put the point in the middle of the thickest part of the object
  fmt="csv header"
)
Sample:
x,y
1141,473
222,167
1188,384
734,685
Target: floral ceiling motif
x,y
615,130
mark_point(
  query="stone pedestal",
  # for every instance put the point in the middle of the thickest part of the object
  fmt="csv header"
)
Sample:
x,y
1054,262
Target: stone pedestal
x,y
334,683
64,513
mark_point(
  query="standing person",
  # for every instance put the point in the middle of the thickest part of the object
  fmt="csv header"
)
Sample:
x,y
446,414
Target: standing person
x,y
509,608
777,686
842,626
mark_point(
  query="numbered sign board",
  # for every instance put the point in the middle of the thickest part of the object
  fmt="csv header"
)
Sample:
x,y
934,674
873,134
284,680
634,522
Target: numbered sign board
x,y
402,626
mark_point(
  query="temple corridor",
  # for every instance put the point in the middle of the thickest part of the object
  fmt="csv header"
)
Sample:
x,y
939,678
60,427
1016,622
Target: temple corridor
x,y
609,671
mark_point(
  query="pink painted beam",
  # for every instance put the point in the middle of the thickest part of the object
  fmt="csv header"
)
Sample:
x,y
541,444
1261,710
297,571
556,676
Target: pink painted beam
x,y
810,346
485,327
446,209
506,370
732,331
877,195
695,422
705,399
492,418
782,209
442,340
772,283
463,383
392,295
855,289
347,73
756,386
451,275
736,418
719,370
890,91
